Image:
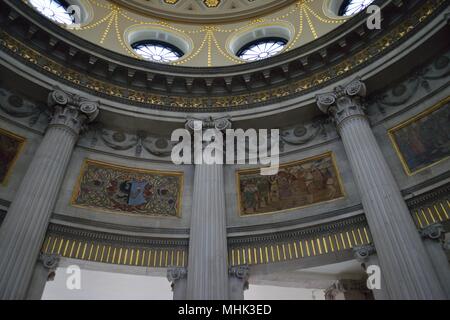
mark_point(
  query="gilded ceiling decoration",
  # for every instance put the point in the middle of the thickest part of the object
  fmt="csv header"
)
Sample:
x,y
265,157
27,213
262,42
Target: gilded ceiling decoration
x,y
178,101
114,24
205,11
230,101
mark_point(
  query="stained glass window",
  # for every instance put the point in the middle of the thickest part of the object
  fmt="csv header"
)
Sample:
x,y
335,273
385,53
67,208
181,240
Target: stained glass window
x,y
261,49
351,7
157,51
55,10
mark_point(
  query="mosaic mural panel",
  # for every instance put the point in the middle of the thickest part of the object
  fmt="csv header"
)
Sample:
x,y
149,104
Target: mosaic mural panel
x,y
10,147
424,140
297,184
127,190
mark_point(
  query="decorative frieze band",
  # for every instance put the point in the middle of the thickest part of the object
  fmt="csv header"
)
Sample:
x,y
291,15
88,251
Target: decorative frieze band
x,y
115,253
307,243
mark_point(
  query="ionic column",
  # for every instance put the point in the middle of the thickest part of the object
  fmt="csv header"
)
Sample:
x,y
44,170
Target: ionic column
x,y
178,282
207,267
403,258
433,239
44,271
367,256
23,230
238,280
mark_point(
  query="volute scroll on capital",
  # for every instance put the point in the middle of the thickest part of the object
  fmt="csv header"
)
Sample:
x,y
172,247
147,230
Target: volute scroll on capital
x,y
176,273
344,101
241,272
362,253
434,231
50,261
71,110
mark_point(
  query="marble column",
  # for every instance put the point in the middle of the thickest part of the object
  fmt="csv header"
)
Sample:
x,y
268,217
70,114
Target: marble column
x,y
403,259
207,277
238,281
367,256
25,225
44,271
433,238
178,282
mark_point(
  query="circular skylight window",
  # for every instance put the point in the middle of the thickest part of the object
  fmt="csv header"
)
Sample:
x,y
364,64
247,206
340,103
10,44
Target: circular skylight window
x,y
157,51
351,7
55,10
261,49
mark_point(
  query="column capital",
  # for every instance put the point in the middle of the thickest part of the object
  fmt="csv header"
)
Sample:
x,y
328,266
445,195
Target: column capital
x,y
433,231
241,272
176,273
50,262
71,110
344,102
220,124
346,289
362,253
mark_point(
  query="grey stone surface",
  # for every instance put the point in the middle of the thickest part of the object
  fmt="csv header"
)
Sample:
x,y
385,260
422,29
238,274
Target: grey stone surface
x,y
208,274
433,237
286,113
178,282
23,230
208,254
44,271
409,273
367,256
238,281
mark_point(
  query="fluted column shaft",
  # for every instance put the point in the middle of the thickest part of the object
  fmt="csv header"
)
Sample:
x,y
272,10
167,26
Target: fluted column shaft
x,y
25,225
207,269
432,238
207,277
403,258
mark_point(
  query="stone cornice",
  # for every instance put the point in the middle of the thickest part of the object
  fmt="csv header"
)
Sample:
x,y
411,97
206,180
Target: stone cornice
x,y
303,233
104,237
245,85
429,197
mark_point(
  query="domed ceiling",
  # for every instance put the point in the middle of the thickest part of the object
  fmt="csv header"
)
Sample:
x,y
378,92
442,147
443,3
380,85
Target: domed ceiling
x,y
209,32
205,11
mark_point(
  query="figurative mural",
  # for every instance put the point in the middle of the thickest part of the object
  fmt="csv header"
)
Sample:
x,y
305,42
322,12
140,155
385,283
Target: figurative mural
x,y
296,185
10,146
128,190
425,139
